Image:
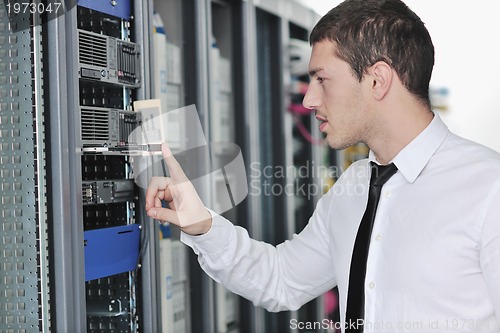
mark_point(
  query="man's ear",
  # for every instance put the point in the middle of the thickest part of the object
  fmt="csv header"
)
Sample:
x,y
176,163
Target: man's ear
x,y
381,75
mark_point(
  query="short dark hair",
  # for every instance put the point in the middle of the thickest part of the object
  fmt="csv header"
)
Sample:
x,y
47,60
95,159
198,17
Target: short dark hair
x,y
368,31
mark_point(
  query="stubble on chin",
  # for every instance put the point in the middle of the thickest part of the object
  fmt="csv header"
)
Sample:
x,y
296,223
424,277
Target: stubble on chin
x,y
341,143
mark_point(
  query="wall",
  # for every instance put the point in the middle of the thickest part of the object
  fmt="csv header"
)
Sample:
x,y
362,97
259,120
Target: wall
x,y
467,52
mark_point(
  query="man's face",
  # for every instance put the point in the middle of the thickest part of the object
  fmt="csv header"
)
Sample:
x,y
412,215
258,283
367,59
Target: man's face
x,y
337,96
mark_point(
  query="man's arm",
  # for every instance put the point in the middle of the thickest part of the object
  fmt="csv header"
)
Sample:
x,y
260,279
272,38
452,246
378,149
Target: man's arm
x,y
490,246
277,278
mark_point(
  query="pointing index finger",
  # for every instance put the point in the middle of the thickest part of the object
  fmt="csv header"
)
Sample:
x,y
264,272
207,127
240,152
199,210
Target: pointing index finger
x,y
174,167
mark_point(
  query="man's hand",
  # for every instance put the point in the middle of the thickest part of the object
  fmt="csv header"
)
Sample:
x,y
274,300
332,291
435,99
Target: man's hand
x,y
185,207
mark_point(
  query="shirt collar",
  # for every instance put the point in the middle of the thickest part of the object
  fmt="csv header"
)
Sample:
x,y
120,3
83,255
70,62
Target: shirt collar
x,y
412,159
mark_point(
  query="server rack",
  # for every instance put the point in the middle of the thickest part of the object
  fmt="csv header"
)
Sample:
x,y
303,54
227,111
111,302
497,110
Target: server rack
x,y
101,239
25,295
283,19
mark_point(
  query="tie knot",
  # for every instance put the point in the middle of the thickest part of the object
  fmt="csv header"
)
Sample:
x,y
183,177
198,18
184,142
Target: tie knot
x,y
381,173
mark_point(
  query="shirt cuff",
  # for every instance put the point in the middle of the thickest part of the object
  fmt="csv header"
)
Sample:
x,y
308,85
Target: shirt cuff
x,y
214,240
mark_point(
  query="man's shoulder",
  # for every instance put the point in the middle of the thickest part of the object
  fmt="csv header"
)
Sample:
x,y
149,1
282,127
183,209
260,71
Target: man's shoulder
x,y
468,150
471,159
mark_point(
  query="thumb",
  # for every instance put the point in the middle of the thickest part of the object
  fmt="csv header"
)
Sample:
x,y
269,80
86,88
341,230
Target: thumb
x,y
164,214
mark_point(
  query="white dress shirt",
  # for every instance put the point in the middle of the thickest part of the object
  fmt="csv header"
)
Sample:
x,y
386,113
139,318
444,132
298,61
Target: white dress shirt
x,y
434,258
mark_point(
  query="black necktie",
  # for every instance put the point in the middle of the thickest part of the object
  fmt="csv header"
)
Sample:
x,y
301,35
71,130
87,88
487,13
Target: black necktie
x,y
356,295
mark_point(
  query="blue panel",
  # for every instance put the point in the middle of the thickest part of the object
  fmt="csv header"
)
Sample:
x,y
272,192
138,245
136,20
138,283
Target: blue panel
x,y
111,251
122,8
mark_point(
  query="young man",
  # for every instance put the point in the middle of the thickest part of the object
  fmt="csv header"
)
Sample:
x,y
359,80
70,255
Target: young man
x,y
434,243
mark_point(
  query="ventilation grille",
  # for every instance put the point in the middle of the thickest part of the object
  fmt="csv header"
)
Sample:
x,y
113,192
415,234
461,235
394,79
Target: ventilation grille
x,y
93,49
95,124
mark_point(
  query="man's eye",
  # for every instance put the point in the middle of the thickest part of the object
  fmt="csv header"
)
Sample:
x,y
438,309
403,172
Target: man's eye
x,y
320,79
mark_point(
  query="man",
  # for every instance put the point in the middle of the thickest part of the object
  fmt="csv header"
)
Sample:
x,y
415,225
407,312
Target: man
x,y
434,243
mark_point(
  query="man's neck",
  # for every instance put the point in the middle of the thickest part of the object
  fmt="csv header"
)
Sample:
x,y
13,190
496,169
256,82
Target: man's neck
x,y
396,131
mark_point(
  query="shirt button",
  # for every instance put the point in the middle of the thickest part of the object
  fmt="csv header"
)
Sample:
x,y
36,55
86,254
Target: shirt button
x,y
388,194
371,285
378,238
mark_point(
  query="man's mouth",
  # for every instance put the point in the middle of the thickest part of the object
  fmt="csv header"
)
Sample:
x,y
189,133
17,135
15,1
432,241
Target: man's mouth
x,y
322,120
